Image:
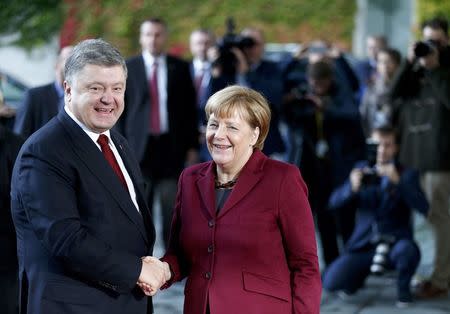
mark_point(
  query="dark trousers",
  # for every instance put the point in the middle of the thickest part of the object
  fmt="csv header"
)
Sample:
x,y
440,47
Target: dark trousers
x,y
9,296
350,270
320,188
161,168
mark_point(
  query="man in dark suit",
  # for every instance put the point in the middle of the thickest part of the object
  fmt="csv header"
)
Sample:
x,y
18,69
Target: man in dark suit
x,y
9,147
385,195
77,200
200,42
160,118
366,69
43,102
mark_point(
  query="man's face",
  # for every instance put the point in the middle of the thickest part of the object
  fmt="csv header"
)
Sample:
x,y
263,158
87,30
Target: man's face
x,y
320,87
153,38
95,96
373,46
436,35
255,53
387,147
200,42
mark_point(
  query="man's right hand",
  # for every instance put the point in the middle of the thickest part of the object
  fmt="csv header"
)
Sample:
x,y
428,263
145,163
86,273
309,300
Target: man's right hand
x,y
154,274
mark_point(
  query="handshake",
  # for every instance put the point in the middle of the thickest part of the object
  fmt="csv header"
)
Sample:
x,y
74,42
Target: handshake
x,y
153,275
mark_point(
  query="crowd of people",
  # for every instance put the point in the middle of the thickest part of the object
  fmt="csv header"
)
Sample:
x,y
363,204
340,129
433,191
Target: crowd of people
x,y
265,154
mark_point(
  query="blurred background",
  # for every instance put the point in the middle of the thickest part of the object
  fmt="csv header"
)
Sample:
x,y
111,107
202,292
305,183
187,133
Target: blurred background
x,y
31,32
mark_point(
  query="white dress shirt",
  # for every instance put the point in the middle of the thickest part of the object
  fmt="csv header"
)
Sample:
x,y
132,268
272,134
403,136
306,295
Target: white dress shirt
x,y
202,67
149,60
94,137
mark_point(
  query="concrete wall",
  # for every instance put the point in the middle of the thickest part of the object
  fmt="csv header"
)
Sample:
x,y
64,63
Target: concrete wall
x,y
392,18
32,68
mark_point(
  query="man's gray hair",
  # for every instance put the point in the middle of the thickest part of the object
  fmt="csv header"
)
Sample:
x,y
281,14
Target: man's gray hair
x,y
95,52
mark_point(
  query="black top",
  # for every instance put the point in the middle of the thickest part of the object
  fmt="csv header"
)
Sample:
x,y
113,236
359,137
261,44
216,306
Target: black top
x,y
221,197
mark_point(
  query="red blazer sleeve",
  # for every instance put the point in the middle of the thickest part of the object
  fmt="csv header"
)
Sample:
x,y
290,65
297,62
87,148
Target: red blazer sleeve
x,y
171,257
297,228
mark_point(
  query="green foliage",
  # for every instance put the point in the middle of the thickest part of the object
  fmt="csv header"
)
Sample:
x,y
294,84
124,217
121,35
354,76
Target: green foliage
x,y
430,8
282,21
118,20
34,22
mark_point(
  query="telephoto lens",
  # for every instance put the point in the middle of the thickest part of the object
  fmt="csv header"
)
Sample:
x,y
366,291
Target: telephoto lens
x,y
380,259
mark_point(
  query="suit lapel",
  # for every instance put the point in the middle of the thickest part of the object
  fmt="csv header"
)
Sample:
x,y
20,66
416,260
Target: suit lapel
x,y
132,171
250,175
92,157
205,185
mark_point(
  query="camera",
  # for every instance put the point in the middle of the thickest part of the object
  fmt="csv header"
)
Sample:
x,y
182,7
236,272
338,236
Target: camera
x,y
380,259
370,176
300,91
424,48
226,59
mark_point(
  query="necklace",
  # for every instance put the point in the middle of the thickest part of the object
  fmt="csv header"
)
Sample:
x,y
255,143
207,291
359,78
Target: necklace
x,y
226,185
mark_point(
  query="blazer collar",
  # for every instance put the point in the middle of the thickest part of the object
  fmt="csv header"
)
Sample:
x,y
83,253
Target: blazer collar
x,y
250,175
92,157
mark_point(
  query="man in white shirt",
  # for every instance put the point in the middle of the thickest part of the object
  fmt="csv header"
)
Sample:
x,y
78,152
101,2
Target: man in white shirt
x,y
160,117
77,201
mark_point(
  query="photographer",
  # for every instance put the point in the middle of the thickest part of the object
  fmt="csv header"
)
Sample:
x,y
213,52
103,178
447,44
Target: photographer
x,y
326,139
384,196
240,61
423,117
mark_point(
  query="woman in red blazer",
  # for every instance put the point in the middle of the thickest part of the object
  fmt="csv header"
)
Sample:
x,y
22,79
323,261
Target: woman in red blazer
x,y
242,231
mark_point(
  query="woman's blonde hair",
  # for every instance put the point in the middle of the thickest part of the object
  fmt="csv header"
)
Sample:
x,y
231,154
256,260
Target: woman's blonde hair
x,y
250,104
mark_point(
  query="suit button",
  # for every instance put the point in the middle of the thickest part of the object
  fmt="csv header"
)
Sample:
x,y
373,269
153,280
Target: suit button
x,y
210,248
208,275
211,223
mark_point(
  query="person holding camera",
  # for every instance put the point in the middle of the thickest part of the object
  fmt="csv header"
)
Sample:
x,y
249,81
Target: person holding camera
x,y
423,88
160,116
240,61
326,139
384,195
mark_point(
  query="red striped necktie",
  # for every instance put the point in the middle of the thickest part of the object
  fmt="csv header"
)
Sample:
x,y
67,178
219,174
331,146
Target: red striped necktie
x,y
109,156
155,126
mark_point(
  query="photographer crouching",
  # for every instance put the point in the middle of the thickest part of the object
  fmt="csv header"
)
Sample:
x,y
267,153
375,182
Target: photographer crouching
x,y
384,195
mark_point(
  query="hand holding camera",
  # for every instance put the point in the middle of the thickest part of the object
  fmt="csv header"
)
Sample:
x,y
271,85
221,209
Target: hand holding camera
x,y
426,53
230,58
388,170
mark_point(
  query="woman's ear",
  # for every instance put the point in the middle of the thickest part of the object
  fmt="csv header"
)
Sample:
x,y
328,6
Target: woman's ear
x,y
255,135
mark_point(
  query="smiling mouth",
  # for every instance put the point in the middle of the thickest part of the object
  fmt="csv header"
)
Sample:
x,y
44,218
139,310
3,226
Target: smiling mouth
x,y
221,146
103,110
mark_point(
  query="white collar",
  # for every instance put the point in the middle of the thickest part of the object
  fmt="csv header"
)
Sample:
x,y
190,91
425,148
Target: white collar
x,y
200,64
149,59
94,136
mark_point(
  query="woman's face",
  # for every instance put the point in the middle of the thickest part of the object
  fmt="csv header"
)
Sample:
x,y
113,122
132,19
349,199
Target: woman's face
x,y
230,141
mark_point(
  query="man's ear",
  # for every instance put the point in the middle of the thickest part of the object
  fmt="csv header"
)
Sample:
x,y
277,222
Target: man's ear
x,y
67,90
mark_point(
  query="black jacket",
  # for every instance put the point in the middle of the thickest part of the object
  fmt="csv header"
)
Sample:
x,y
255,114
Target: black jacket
x,y
9,147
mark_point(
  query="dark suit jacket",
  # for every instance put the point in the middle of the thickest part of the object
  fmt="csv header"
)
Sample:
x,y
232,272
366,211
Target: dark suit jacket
x,y
39,106
202,96
383,209
181,106
258,255
10,144
79,236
